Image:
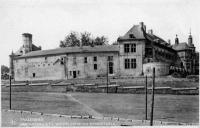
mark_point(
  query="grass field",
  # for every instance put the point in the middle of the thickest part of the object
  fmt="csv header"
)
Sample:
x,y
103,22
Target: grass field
x,y
178,108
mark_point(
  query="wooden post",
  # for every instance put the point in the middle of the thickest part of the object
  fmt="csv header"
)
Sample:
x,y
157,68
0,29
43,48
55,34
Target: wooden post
x,y
146,98
10,91
107,76
152,102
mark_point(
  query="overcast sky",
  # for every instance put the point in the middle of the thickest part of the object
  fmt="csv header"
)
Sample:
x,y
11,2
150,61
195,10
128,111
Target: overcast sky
x,y
50,20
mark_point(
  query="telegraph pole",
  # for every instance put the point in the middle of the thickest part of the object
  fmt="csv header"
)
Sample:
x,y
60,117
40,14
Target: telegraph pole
x,y
107,76
152,102
146,98
10,91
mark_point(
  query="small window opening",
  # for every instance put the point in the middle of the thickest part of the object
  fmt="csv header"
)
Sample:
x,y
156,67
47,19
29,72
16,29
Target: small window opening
x,y
33,74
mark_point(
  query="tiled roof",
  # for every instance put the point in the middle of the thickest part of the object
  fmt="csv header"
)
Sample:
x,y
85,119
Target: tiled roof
x,y
181,46
137,32
84,49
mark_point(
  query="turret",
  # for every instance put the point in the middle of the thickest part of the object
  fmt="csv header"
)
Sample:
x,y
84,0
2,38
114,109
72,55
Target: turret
x,y
190,42
27,42
176,40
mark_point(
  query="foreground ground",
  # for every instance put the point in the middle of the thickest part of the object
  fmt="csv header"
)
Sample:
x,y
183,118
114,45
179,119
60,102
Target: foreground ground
x,y
177,108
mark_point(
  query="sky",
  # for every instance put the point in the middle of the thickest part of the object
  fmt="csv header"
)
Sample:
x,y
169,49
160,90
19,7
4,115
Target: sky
x,y
51,20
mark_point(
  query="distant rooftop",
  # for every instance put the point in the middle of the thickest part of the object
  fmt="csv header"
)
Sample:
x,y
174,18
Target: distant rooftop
x,y
68,50
180,46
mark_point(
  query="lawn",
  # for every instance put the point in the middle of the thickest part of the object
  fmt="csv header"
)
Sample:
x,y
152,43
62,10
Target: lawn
x,y
178,108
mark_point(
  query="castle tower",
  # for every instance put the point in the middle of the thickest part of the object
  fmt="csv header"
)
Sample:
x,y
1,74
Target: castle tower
x,y
27,42
176,40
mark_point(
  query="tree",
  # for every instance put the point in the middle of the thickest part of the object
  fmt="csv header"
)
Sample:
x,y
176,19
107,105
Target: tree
x,y
85,39
100,40
70,40
4,69
4,72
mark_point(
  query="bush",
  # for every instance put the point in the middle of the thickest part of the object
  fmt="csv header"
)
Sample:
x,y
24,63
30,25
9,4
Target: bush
x,y
193,77
176,75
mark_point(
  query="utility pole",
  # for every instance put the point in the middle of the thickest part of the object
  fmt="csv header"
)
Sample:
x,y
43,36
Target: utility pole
x,y
152,102
107,76
10,90
146,98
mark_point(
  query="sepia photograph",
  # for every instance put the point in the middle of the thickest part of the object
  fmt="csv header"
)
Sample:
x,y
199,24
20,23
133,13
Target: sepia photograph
x,y
73,63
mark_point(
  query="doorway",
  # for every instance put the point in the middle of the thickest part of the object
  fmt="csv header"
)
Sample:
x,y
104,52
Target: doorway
x,y
74,74
110,68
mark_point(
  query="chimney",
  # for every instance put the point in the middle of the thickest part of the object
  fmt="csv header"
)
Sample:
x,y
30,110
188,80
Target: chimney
x,y
143,26
150,32
169,41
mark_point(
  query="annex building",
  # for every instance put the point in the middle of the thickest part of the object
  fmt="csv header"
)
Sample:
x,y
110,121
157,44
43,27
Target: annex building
x,y
135,54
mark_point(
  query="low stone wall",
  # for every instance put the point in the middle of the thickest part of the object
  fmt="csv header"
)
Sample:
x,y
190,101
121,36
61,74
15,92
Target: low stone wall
x,y
139,90
100,89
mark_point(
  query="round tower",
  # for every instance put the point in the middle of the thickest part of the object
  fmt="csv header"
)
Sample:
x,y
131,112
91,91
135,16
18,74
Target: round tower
x,y
27,42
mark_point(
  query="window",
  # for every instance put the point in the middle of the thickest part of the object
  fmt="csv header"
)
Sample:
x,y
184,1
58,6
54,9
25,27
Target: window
x,y
85,59
95,66
131,36
74,60
110,67
133,47
126,48
129,48
133,63
110,58
95,58
70,73
45,58
127,64
78,72
130,63
33,74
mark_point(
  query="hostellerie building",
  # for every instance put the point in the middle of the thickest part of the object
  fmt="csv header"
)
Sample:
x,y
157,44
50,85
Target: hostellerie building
x,y
135,54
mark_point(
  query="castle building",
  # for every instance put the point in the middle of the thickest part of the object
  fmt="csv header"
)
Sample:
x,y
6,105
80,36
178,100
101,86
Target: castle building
x,y
187,54
135,54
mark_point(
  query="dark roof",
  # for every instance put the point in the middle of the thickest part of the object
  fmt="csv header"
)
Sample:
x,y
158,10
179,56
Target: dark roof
x,y
84,49
137,32
34,48
181,46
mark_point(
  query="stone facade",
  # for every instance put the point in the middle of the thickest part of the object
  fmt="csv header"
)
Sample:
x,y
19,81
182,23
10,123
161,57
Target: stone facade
x,y
134,54
188,56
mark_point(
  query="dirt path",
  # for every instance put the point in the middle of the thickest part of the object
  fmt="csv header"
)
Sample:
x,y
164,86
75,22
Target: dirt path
x,y
87,108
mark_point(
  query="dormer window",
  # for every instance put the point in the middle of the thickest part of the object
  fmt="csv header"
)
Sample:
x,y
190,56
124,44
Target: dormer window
x,y
131,36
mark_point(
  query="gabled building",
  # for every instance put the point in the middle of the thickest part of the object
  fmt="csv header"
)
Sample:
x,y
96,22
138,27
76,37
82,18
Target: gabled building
x,y
148,49
134,54
187,55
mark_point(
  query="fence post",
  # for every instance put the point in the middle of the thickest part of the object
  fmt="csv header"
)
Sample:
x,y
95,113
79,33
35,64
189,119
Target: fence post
x,y
152,102
10,92
146,98
107,76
